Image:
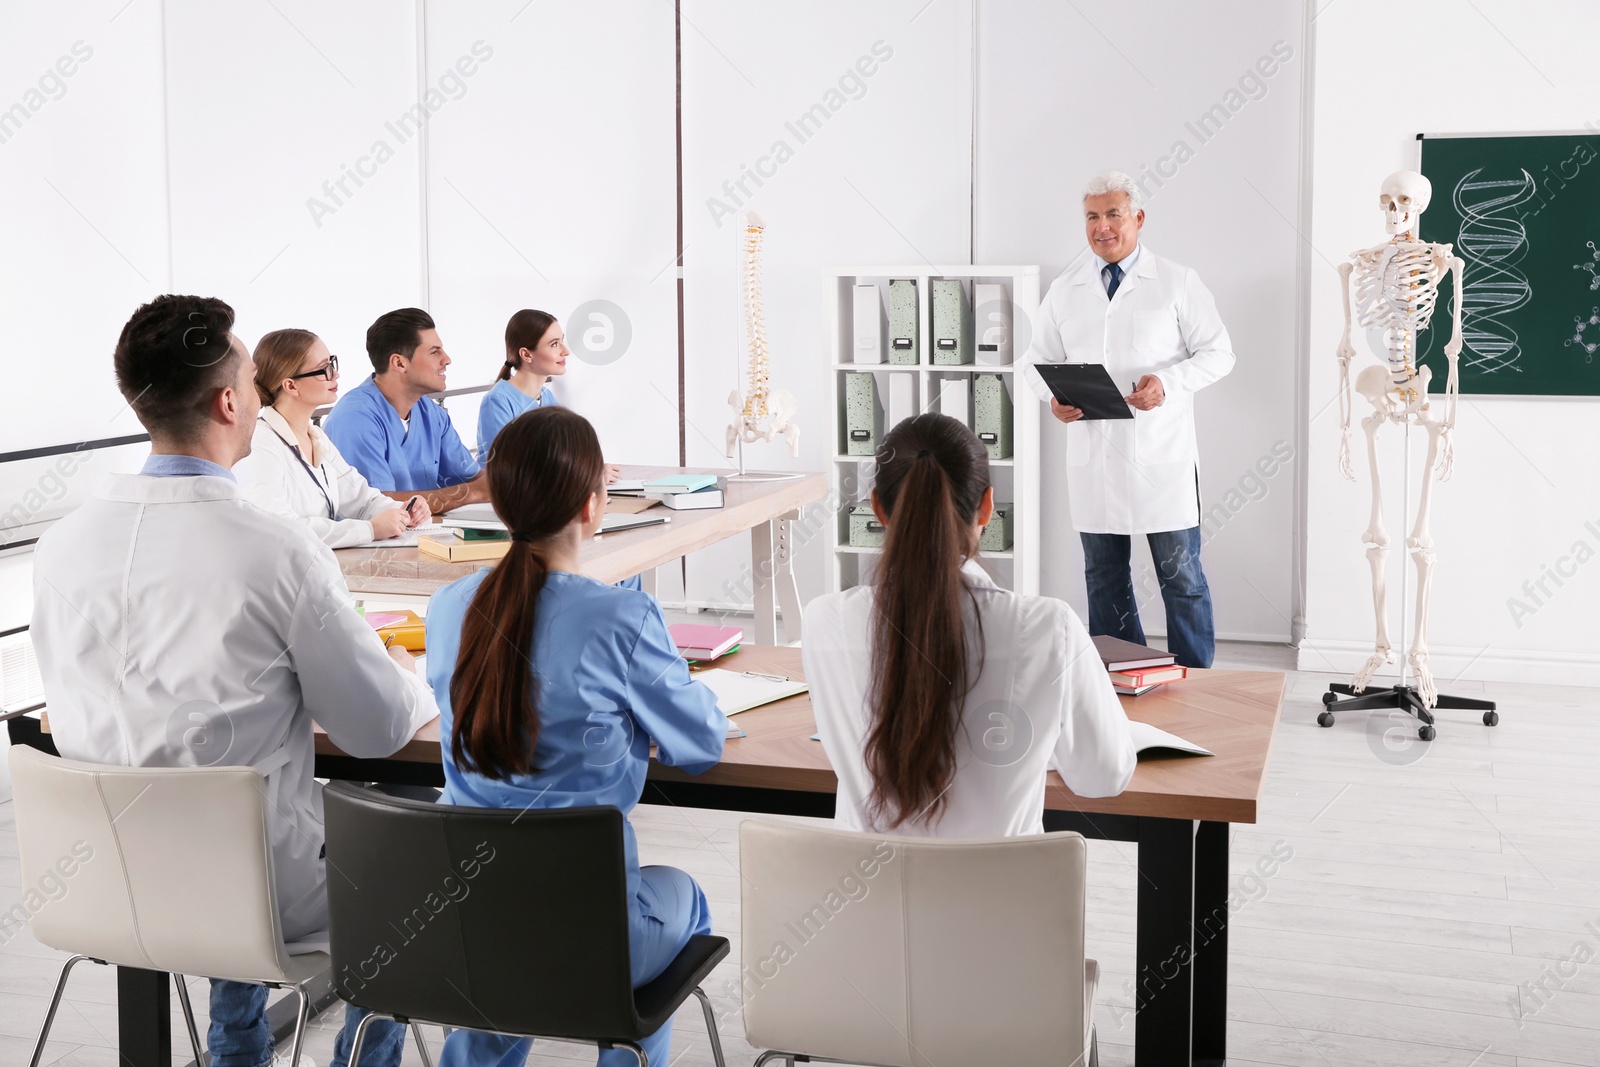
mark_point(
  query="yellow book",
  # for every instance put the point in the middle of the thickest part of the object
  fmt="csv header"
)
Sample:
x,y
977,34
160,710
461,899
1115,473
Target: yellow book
x,y
455,550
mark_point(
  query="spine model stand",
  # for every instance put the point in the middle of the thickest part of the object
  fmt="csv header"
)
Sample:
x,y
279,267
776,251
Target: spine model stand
x,y
760,413
1396,287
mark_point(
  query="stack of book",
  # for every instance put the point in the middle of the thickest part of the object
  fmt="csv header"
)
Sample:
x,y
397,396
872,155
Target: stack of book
x,y
680,492
1137,669
702,643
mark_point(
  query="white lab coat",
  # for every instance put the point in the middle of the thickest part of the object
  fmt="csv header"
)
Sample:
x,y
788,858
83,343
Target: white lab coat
x,y
1133,476
177,624
1041,700
273,478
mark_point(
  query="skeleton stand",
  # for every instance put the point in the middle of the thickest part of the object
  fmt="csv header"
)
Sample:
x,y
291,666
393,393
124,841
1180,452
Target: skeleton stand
x,y
1407,698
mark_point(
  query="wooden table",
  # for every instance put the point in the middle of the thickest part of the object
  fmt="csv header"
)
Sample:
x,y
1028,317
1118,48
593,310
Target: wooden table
x,y
763,507
1177,809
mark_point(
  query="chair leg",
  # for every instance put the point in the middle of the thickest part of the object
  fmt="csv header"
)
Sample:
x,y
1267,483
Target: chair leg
x,y
55,1002
422,1046
638,1053
361,1035
180,983
774,1054
711,1026
1094,1047
300,1024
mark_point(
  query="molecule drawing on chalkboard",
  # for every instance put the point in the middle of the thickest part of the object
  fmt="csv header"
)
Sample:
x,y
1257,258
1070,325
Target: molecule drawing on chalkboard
x,y
1590,344
1593,267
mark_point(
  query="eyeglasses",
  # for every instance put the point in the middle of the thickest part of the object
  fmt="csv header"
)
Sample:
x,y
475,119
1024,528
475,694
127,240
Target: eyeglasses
x,y
330,371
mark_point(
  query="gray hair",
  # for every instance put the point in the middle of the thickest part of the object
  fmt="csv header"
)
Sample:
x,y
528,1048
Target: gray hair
x,y
1114,181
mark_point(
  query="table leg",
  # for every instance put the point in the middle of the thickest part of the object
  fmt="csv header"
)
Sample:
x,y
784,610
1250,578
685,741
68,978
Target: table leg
x,y
1210,1031
1164,974
787,589
144,1017
647,580
763,569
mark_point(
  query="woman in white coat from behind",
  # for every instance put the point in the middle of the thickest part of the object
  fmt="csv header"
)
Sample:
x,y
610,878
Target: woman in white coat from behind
x,y
293,469
942,699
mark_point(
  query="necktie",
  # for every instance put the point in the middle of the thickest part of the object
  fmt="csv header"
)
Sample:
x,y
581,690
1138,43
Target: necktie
x,y
1113,273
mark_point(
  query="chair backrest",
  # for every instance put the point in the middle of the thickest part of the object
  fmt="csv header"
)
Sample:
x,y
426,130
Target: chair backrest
x,y
912,951
167,868
496,918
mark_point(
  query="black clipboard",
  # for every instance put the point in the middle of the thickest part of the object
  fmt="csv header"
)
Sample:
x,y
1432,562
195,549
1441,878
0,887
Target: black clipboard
x,y
1086,386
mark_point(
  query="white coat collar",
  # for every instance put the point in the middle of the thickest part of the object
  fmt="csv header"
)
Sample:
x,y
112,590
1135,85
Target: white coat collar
x,y
974,574
143,489
1088,270
280,425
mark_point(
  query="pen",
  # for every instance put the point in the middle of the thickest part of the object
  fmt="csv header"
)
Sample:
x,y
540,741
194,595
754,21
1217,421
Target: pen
x,y
411,504
387,641
768,677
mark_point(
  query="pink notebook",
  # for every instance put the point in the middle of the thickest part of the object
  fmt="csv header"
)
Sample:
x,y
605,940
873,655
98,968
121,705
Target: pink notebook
x,y
695,641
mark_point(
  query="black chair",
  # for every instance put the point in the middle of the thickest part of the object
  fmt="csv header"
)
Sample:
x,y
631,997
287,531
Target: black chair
x,y
505,920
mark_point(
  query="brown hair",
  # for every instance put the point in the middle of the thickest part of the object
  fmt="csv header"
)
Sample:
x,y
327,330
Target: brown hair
x,y
931,476
525,330
547,463
278,355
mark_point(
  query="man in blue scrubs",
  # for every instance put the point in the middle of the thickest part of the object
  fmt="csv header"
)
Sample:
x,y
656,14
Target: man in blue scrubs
x,y
387,428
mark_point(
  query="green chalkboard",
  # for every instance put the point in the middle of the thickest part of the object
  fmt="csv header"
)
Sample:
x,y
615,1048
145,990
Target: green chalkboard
x,y
1524,213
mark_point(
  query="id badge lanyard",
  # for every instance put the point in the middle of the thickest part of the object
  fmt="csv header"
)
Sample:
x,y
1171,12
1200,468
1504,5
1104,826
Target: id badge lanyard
x,y
333,513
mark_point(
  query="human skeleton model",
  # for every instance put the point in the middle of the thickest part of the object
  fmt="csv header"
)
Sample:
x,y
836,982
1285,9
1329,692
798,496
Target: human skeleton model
x,y
757,403
1397,284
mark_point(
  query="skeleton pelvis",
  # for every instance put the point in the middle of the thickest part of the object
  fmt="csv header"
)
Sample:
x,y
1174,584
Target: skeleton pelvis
x,y
1395,400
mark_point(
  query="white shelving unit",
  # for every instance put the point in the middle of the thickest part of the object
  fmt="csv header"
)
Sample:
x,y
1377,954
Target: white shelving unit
x,y
1016,480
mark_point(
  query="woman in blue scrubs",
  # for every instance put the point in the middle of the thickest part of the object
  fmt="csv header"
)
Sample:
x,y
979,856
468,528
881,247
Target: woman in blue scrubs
x,y
610,684
536,351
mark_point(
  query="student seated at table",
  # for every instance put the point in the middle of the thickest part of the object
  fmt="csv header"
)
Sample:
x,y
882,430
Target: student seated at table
x,y
177,624
941,698
552,687
390,430
536,351
293,469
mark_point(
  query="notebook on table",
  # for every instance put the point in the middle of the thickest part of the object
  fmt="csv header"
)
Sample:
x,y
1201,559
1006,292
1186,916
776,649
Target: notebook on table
x,y
1120,655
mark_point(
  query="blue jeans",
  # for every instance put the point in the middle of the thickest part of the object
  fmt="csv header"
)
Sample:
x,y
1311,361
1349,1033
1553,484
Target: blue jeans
x,y
669,909
1113,610
239,1035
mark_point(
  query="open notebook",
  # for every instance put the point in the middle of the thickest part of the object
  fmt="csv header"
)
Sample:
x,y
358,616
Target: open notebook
x,y
1147,738
408,538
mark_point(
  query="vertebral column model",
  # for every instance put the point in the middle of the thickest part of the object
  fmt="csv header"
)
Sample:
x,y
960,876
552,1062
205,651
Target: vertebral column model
x,y
1396,287
758,402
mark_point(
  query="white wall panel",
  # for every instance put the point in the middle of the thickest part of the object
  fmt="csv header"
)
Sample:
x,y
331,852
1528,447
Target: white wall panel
x,y
1067,91
884,178
1527,469
295,192
551,185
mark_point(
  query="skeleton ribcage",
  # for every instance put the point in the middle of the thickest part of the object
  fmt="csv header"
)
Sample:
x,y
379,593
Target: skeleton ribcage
x,y
1397,291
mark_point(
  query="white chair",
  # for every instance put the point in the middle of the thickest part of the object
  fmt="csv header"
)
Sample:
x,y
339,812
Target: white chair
x,y
911,952
168,869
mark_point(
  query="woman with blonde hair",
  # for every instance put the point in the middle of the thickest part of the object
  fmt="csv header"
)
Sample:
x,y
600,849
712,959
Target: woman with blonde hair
x,y
293,469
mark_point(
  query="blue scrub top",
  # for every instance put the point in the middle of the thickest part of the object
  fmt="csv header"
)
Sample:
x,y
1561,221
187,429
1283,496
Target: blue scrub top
x,y
611,683
502,403
368,433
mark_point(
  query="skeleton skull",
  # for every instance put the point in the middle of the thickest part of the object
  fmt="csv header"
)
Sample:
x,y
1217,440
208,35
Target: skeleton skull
x,y
1404,198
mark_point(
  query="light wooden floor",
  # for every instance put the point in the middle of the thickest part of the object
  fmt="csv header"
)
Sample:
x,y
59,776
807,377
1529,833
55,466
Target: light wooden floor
x,y
1437,910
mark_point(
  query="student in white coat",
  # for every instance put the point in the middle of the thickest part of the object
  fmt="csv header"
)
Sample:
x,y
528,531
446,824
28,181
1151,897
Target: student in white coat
x,y
1155,326
176,624
293,469
941,698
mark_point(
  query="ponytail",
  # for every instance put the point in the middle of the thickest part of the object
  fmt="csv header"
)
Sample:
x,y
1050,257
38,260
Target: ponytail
x,y
547,464
525,330
931,478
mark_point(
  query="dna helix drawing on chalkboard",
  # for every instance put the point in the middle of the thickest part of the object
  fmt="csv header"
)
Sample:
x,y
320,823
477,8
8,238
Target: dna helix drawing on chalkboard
x,y
1493,242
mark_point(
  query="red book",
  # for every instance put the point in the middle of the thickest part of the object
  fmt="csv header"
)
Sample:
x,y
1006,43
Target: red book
x,y
1142,676
695,641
